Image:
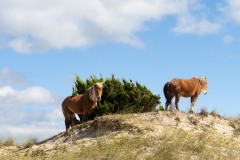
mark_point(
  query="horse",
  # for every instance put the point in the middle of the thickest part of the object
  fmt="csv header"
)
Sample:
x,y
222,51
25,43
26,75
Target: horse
x,y
81,104
184,88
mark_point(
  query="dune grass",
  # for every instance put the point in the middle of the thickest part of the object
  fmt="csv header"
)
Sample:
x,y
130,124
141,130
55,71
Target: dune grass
x,y
169,144
10,141
235,123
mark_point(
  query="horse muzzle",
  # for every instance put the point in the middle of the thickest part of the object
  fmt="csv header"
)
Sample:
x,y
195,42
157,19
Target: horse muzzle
x,y
99,98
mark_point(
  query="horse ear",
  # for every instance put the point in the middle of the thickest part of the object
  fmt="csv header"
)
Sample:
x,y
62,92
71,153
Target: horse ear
x,y
205,77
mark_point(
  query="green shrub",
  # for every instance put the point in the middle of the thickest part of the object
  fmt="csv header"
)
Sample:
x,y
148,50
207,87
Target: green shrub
x,y
119,96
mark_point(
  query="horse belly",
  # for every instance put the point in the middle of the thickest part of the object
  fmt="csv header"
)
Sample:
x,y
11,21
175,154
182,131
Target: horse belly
x,y
75,109
76,105
187,94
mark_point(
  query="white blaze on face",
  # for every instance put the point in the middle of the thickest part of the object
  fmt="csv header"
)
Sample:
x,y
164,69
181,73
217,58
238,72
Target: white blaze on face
x,y
204,85
204,91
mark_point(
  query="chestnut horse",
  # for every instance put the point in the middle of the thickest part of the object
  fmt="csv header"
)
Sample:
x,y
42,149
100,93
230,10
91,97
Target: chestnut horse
x,y
185,88
81,104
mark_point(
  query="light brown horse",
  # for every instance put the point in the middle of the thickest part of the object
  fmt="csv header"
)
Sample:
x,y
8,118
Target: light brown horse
x,y
81,104
185,88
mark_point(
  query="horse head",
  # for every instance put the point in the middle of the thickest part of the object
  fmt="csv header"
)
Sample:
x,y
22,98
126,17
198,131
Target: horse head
x,y
203,82
98,90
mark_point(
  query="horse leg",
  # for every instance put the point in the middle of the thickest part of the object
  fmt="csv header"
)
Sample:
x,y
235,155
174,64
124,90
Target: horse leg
x,y
67,124
169,102
84,115
68,119
81,117
166,105
71,115
177,98
193,101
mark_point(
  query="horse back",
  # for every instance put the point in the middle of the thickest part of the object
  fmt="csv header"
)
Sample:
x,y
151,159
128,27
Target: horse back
x,y
186,87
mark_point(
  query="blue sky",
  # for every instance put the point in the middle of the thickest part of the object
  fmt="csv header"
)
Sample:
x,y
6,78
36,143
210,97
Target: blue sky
x,y
44,44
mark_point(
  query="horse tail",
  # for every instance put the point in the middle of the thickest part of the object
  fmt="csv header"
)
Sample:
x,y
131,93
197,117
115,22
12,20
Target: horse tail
x,y
166,92
67,112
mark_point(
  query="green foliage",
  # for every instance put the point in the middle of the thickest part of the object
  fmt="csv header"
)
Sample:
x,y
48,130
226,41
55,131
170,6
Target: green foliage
x,y
119,96
161,108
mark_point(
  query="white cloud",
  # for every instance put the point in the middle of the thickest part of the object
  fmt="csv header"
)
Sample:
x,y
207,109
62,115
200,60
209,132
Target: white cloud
x,y
232,10
190,24
227,39
22,45
29,111
33,112
31,96
22,122
24,131
8,77
38,25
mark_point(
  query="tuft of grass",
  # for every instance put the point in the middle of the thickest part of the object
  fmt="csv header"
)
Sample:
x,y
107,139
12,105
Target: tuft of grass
x,y
203,112
38,153
214,113
8,142
30,142
235,123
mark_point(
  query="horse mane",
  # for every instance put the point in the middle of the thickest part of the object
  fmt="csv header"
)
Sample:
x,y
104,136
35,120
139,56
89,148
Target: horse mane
x,y
203,81
91,91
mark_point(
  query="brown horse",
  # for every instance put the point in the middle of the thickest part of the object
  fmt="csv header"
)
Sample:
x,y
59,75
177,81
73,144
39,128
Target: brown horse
x,y
81,104
185,88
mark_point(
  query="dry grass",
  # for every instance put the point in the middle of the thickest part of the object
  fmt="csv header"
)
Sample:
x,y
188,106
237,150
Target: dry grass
x,y
203,112
169,145
235,123
215,113
8,142
138,138
30,142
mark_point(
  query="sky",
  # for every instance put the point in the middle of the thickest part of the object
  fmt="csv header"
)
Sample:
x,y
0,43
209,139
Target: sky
x,y
44,44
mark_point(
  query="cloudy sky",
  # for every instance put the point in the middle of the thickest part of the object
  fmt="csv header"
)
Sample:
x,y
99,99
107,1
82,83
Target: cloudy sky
x,y
43,44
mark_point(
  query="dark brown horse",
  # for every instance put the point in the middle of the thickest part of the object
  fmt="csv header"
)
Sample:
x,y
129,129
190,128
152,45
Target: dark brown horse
x,y
185,88
81,104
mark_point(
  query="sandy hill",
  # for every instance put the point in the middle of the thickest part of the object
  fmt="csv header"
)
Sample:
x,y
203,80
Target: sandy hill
x,y
154,135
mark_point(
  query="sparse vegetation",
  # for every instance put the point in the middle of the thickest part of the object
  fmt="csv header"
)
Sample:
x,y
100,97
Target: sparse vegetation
x,y
214,113
203,112
235,123
8,142
136,136
30,142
